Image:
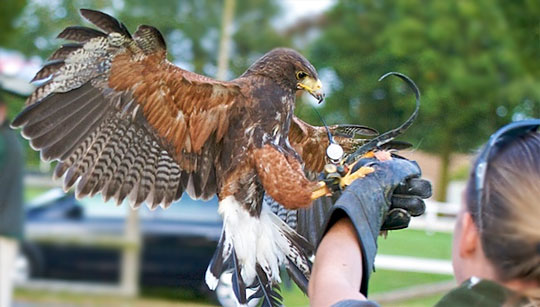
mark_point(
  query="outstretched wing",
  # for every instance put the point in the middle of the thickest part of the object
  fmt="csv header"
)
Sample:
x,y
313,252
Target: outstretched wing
x,y
311,141
123,120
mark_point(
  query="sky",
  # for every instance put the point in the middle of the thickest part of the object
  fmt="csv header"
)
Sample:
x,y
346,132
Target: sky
x,y
297,9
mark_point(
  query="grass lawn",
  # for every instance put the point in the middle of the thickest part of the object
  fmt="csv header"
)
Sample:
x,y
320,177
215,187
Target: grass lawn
x,y
381,281
45,298
417,243
32,192
385,280
292,298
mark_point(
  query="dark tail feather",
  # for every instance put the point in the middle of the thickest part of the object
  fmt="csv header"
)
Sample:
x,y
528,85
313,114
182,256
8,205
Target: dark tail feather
x,y
298,264
298,276
300,249
269,293
219,262
239,286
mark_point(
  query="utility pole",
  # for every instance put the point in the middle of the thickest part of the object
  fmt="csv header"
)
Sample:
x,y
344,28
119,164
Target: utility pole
x,y
131,253
225,41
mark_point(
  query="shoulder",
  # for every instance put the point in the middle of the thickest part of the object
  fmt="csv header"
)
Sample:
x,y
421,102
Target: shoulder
x,y
480,292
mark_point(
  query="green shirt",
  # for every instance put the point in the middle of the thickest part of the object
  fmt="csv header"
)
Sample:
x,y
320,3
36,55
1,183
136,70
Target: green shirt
x,y
472,293
477,292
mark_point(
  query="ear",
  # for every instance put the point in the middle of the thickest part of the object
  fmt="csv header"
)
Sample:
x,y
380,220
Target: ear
x,y
470,239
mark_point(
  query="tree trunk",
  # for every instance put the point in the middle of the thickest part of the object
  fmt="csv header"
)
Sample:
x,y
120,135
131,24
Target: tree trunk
x,y
444,173
225,41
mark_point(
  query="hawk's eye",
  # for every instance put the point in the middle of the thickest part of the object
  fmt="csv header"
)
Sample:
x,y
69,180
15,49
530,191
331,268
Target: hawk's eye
x,y
300,75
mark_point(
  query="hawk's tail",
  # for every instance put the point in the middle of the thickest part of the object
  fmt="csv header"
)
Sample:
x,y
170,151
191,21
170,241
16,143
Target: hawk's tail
x,y
256,270
298,254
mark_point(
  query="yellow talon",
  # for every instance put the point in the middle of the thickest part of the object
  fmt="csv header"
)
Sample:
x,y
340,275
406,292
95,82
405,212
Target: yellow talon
x,y
360,173
332,172
369,154
320,191
364,170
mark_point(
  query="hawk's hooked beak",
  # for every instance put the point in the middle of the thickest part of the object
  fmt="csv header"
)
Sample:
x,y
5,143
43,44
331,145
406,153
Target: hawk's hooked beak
x,y
312,86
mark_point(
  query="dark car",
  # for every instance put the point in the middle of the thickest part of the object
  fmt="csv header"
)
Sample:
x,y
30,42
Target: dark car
x,y
177,243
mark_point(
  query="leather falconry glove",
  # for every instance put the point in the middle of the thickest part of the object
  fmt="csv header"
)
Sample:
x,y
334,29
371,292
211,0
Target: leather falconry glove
x,y
407,197
383,200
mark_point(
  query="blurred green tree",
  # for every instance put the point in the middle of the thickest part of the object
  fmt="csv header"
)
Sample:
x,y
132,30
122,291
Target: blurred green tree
x,y
522,18
472,76
8,14
191,28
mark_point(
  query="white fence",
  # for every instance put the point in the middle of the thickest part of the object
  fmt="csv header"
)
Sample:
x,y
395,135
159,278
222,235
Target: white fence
x,y
128,243
439,216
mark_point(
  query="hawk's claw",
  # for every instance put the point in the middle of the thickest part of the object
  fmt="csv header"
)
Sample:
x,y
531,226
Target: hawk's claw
x,y
350,178
320,190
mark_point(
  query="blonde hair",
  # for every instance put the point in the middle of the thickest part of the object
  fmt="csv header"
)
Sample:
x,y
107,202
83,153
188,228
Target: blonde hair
x,y
510,233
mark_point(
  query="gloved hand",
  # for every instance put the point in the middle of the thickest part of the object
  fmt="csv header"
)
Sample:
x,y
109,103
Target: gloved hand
x,y
383,200
407,201
406,198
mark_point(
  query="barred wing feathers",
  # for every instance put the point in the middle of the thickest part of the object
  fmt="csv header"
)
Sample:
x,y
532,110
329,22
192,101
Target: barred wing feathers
x,y
122,120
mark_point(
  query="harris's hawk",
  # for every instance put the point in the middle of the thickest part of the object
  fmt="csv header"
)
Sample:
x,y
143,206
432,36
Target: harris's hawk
x,y
124,121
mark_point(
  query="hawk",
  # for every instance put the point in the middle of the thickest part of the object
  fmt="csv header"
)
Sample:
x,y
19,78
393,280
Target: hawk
x,y
122,120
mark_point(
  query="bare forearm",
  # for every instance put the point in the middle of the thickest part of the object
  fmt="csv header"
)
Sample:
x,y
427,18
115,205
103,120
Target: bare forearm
x,y
337,271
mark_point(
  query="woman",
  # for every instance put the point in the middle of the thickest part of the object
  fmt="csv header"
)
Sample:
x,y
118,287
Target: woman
x,y
496,248
11,206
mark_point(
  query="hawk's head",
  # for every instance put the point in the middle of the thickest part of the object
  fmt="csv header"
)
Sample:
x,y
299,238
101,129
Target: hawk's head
x,y
290,70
